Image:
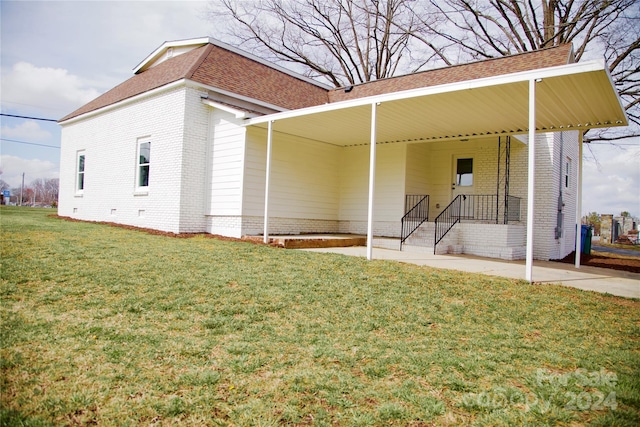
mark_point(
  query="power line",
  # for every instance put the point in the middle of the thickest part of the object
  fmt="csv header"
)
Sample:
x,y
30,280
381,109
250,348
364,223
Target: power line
x,y
27,117
29,143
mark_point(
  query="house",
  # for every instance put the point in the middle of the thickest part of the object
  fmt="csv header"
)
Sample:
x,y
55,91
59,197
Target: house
x,y
613,227
208,138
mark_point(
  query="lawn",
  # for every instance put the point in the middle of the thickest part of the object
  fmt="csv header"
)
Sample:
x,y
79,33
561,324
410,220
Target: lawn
x,y
107,326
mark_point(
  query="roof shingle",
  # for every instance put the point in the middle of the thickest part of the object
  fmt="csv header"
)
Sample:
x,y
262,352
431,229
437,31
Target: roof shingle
x,y
560,55
217,67
167,72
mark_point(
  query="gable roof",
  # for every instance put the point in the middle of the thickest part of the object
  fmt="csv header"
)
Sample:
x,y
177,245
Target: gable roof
x,y
218,66
167,72
244,76
544,58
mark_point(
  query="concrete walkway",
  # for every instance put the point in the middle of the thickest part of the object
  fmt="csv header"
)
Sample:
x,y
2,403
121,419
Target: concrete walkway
x,y
615,282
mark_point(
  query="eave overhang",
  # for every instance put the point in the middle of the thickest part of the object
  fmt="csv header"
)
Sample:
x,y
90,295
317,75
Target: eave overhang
x,y
577,96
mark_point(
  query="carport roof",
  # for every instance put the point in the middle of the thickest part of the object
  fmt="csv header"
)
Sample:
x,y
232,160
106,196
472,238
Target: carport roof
x,y
576,96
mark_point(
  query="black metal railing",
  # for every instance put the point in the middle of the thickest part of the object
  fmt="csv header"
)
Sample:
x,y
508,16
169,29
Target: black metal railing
x,y
512,209
416,207
479,207
474,207
445,221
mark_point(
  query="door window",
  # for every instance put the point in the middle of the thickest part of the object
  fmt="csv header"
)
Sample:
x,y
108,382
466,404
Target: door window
x,y
464,172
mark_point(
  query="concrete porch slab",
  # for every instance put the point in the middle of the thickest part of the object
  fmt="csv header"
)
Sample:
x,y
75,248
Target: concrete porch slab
x,y
603,280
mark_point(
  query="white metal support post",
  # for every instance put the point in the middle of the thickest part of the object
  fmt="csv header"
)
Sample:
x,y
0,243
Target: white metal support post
x,y
267,181
579,208
531,179
372,182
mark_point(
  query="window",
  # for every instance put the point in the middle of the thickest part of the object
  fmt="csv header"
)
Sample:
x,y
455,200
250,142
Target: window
x,y
567,172
80,172
144,159
464,172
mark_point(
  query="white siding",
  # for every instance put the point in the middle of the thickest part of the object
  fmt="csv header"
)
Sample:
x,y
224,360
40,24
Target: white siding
x,y
389,185
226,164
304,180
417,180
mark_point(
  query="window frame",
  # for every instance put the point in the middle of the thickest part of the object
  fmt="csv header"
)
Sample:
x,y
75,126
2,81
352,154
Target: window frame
x,y
81,175
140,165
464,179
567,172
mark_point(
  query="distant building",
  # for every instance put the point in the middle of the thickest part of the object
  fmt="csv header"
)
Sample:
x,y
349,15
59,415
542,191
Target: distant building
x,y
612,227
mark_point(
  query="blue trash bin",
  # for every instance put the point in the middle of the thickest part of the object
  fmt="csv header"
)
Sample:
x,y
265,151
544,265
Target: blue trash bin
x,y
586,233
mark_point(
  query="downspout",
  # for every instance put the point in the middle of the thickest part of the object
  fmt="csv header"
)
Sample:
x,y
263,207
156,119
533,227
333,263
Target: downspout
x,y
560,214
579,207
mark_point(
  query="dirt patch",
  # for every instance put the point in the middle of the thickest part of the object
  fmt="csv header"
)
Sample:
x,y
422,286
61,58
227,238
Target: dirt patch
x,y
631,264
168,233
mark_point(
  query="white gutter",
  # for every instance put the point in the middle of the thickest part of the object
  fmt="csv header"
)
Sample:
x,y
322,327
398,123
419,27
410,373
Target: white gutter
x,y
123,102
239,114
167,87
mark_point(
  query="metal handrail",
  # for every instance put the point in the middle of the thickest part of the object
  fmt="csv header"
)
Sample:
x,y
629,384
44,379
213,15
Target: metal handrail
x,y
445,221
417,212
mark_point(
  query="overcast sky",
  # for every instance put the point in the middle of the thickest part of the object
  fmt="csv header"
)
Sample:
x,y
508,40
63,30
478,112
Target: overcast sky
x,y
58,55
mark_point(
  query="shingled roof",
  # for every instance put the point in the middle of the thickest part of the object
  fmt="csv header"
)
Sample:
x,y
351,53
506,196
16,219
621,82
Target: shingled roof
x,y
217,67
550,57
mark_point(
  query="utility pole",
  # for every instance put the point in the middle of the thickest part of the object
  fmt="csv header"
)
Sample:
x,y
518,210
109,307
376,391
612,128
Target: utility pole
x,y
21,189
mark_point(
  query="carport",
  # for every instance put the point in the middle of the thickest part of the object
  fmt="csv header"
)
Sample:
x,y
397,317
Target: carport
x,y
577,96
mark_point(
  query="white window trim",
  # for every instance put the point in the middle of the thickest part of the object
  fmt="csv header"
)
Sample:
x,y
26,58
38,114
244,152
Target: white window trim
x,y
141,190
80,191
567,173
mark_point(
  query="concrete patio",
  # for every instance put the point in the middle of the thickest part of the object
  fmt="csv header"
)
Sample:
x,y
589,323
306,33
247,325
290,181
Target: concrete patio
x,y
603,280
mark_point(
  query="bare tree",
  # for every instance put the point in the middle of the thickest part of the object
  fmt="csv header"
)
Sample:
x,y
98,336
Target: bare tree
x,y
343,41
492,28
353,41
45,191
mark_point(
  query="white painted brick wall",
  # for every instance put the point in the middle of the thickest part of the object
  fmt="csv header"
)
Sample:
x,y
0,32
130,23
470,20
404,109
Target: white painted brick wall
x,y
193,175
110,141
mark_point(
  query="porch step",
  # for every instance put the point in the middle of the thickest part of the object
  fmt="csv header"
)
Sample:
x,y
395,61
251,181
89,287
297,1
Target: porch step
x,y
422,240
423,236
318,241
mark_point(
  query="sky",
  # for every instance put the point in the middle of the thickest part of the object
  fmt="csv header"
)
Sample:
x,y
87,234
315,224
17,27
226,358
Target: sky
x,y
56,56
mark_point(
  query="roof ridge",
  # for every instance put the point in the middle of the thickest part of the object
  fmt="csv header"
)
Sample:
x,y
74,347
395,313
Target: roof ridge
x,y
196,64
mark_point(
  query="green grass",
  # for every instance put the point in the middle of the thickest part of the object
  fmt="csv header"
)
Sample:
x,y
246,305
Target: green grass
x,y
107,326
